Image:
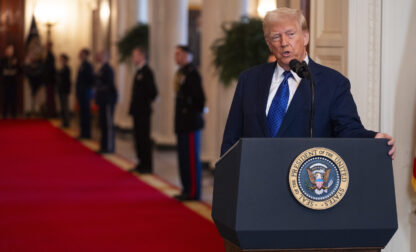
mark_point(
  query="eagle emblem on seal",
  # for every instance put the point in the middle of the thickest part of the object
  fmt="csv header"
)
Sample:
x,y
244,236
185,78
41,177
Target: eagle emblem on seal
x,y
318,175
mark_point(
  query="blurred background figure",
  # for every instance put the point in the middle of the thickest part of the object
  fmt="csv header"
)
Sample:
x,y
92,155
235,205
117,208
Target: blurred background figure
x,y
49,79
271,58
190,101
143,94
9,73
33,67
105,98
64,88
85,80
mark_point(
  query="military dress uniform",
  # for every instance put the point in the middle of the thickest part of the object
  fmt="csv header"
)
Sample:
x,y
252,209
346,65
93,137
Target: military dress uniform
x,y
144,93
190,101
85,80
9,73
106,98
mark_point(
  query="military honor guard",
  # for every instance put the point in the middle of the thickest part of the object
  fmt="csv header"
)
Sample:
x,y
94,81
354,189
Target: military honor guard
x,y
85,80
190,101
143,94
105,98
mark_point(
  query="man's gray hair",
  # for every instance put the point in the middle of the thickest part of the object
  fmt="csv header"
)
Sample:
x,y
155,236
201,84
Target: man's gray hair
x,y
273,16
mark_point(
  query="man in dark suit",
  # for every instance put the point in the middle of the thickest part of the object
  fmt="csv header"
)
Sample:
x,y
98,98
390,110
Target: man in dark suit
x,y
143,94
85,80
190,101
272,101
49,78
105,98
64,88
9,73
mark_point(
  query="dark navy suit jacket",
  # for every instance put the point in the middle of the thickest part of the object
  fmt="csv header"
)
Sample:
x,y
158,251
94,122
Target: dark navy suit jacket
x,y
335,111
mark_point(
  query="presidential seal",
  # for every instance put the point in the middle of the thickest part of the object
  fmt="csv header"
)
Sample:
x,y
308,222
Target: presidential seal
x,y
318,178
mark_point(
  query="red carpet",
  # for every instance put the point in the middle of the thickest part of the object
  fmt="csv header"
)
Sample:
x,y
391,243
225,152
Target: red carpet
x,y
57,195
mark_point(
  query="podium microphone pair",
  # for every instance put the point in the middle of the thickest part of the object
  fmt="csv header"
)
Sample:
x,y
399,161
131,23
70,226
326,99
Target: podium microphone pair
x,y
302,70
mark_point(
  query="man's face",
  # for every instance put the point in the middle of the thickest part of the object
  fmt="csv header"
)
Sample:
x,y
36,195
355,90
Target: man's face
x,y
138,57
287,41
82,56
63,61
179,56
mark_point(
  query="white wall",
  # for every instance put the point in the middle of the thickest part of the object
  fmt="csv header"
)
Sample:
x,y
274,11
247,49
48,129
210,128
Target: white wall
x,y
364,59
398,107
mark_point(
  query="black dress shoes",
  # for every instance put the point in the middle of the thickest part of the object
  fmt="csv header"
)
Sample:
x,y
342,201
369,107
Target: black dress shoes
x,y
184,197
141,169
100,152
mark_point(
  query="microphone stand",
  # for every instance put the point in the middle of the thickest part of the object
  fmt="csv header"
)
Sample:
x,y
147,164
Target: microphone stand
x,y
312,112
301,68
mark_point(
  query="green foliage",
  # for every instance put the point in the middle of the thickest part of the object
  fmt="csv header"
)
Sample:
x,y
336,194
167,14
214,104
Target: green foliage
x,y
136,36
242,47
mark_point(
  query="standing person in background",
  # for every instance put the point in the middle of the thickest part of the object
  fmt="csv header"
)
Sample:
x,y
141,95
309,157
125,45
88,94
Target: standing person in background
x,y
105,98
49,79
84,84
33,69
143,94
190,101
64,88
9,73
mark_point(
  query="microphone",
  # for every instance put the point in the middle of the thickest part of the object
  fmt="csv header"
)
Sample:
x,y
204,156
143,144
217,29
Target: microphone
x,y
302,70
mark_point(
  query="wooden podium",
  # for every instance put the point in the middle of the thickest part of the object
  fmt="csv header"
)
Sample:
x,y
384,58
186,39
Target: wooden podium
x,y
255,210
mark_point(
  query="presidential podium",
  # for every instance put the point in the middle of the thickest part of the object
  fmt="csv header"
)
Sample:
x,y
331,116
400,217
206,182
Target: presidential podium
x,y
274,194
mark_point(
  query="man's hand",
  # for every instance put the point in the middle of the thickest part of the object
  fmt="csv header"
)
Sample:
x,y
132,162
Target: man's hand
x,y
391,143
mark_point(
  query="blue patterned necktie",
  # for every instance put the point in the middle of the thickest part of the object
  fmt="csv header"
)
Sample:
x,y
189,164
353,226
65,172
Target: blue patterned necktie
x,y
278,107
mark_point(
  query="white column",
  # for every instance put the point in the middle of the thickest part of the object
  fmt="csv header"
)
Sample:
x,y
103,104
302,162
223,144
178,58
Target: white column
x,y
168,28
214,13
364,51
398,106
124,17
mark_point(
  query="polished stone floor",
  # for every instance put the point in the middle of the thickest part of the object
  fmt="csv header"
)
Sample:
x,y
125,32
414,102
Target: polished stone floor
x,y
165,161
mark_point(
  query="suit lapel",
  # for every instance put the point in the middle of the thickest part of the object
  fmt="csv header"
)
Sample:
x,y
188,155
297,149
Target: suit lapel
x,y
264,83
300,100
298,103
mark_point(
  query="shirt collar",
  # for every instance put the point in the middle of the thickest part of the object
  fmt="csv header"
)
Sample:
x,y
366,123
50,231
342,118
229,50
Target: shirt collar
x,y
141,65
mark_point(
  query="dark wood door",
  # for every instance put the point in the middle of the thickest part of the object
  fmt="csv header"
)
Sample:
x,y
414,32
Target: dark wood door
x,y
12,19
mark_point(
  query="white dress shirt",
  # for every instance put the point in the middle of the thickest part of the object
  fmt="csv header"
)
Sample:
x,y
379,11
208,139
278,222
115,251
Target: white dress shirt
x,y
277,80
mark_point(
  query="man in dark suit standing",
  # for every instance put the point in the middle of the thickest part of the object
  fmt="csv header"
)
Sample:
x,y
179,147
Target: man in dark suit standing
x,y
84,84
190,101
49,78
9,72
64,88
105,98
143,94
272,101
